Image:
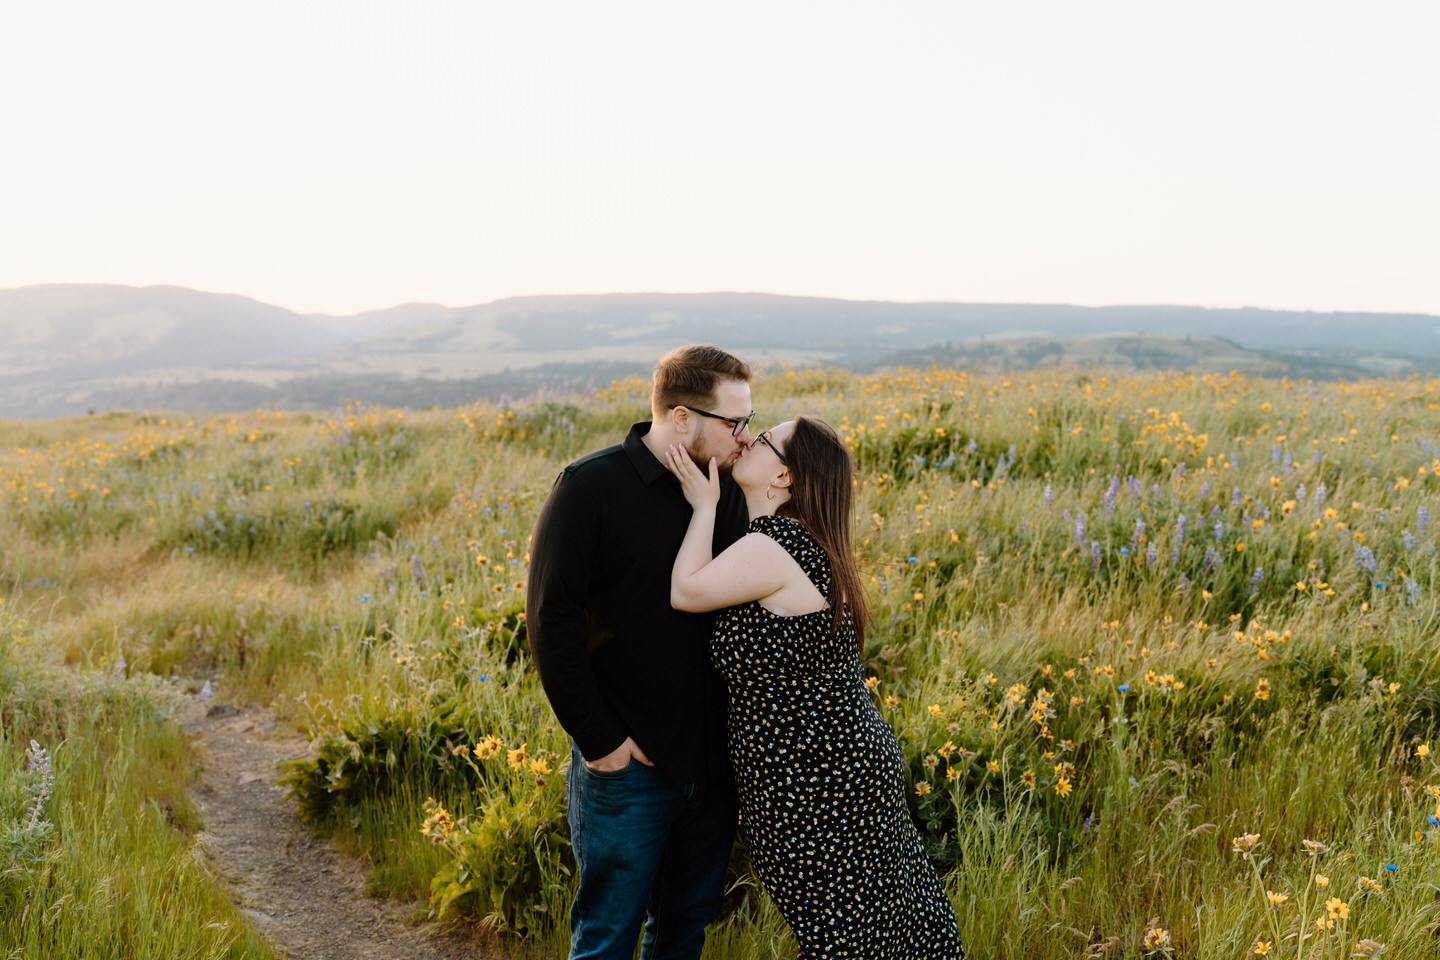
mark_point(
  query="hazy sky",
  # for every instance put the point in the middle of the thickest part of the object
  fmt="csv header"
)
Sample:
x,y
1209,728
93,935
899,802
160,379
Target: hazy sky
x,y
345,156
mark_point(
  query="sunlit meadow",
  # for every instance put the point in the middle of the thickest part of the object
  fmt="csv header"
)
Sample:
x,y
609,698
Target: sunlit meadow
x,y
1161,650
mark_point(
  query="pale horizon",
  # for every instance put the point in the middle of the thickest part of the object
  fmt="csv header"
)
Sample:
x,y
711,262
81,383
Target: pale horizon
x,y
334,159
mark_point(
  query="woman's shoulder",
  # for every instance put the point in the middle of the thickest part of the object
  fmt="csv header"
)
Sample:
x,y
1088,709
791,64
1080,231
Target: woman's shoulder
x,y
777,525
790,532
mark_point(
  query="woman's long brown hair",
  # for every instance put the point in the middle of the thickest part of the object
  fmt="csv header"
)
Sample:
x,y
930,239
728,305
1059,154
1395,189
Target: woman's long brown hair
x,y
822,493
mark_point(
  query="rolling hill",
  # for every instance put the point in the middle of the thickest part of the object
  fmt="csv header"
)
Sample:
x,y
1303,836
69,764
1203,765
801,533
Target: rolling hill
x,y
69,348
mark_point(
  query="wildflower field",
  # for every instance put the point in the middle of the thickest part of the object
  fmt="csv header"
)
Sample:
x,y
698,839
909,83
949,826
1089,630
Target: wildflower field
x,y
1161,650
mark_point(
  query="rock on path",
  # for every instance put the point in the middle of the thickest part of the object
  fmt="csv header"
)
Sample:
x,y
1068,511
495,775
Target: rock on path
x,y
306,898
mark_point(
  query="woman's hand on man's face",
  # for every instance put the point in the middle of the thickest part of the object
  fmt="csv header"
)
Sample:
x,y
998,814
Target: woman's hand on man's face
x,y
701,487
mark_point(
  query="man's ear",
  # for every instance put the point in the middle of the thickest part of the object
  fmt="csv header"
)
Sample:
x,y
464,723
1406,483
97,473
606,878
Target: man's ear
x,y
680,420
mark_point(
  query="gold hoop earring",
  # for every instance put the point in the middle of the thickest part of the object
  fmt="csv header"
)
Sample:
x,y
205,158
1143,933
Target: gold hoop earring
x,y
769,493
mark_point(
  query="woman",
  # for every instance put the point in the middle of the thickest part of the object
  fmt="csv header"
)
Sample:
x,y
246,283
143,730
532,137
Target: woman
x,y
820,775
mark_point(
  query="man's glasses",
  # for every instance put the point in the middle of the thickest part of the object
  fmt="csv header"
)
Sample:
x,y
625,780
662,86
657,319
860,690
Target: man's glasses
x,y
765,439
737,424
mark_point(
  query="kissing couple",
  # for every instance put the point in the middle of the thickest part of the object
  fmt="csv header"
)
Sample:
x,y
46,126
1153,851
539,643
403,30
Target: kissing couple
x,y
696,615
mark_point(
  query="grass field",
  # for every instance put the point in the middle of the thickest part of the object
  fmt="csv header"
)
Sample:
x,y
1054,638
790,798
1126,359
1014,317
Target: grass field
x,y
1161,651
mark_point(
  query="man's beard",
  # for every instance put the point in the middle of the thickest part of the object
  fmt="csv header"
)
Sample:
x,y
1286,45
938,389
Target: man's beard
x,y
701,452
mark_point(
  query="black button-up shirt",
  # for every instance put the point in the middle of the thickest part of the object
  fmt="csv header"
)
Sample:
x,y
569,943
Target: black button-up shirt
x,y
615,658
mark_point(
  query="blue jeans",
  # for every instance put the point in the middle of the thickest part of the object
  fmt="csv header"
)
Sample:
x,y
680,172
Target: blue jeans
x,y
648,850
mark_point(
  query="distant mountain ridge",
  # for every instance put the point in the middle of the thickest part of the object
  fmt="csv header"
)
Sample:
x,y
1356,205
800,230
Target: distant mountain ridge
x,y
82,331
64,348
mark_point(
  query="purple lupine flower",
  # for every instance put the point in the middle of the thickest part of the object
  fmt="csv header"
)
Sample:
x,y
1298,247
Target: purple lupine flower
x,y
1412,590
1422,518
1080,527
1205,489
1095,553
1236,496
1049,496
1139,533
1152,553
1316,457
37,760
1409,539
1321,493
1288,464
1219,529
1300,493
972,446
1275,453
1184,583
1175,553
1365,558
1212,557
1108,499
1133,485
1180,469
1256,579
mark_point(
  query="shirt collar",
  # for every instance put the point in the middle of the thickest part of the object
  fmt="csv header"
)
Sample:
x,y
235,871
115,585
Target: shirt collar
x,y
646,464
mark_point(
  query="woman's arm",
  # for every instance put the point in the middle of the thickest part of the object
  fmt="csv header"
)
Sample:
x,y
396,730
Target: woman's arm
x,y
752,568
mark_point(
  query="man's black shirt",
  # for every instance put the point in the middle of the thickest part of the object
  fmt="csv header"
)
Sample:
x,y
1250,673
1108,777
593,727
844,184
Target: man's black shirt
x,y
615,658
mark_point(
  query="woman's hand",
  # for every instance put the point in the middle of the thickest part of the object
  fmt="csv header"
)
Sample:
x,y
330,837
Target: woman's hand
x,y
701,489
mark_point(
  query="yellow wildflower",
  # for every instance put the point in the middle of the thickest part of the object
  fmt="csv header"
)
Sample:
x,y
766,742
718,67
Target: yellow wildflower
x,y
1262,689
1322,881
922,788
1062,786
1422,751
1274,897
993,766
517,757
1245,842
1337,909
1261,948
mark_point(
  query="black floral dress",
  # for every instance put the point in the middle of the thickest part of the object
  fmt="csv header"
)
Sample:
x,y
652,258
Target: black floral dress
x,y
822,783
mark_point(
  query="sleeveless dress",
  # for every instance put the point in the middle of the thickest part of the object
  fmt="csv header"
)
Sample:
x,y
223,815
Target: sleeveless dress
x,y
821,782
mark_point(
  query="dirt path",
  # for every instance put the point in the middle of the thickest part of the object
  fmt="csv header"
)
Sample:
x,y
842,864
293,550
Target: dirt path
x,y
305,897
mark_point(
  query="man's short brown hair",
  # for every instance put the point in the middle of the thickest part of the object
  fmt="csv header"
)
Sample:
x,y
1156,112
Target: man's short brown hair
x,y
690,377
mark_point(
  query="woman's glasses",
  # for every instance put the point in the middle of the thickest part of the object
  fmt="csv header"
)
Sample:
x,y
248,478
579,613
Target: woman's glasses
x,y
765,439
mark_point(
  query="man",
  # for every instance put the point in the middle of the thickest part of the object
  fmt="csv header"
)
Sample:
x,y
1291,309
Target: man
x,y
651,801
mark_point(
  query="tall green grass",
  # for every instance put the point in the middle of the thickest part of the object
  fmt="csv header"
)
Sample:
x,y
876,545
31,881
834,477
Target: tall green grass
x,y
1266,666
112,868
